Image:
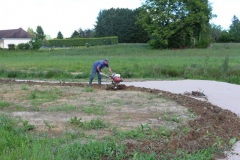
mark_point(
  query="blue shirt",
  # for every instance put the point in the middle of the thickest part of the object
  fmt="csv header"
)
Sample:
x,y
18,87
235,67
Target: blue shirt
x,y
99,64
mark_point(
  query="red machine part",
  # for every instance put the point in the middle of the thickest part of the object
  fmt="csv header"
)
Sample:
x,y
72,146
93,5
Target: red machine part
x,y
117,79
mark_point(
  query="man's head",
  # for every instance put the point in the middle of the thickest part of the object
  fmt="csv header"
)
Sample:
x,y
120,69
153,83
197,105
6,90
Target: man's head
x,y
106,61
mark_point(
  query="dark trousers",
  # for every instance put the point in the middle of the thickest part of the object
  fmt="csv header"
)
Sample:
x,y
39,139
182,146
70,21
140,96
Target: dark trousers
x,y
94,71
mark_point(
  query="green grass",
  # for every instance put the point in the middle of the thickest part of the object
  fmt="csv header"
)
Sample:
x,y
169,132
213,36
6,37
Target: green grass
x,y
4,104
66,108
17,142
97,110
221,62
38,96
97,123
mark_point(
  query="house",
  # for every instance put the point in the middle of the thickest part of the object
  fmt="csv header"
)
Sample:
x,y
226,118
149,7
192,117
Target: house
x,y
13,36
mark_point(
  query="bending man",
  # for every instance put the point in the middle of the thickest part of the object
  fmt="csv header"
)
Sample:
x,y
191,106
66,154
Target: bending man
x,y
96,68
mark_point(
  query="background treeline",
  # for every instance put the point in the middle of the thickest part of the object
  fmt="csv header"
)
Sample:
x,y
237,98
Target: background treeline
x,y
161,24
231,35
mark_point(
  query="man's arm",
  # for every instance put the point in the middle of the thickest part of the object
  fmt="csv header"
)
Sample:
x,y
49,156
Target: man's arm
x,y
98,69
110,70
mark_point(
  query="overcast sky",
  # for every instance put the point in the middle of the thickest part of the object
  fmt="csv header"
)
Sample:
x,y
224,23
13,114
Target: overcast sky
x,y
69,15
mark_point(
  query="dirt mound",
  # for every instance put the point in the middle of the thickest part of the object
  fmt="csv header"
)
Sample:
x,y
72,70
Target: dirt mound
x,y
213,125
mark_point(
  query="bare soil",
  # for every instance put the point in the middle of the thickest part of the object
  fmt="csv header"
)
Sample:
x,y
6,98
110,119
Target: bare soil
x,y
124,109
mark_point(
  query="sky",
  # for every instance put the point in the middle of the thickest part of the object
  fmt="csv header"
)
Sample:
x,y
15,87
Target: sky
x,y
67,16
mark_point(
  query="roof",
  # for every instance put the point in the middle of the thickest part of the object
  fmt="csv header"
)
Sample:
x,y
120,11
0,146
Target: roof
x,y
14,33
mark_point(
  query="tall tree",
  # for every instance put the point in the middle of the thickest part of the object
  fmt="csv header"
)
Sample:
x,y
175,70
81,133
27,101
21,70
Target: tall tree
x,y
75,34
30,31
176,23
81,33
234,30
40,33
117,22
216,31
59,35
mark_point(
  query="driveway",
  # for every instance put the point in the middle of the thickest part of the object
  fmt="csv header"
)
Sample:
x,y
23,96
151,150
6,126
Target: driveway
x,y
224,95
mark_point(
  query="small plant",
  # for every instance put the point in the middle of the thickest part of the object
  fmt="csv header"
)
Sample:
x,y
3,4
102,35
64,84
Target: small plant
x,y
232,141
33,95
88,89
24,87
75,120
27,126
145,128
94,124
219,141
176,119
97,110
4,104
164,131
225,64
49,126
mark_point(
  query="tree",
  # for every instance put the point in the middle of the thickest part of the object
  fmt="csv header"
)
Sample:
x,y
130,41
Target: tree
x,y
89,33
40,33
59,35
176,23
75,34
216,31
234,30
31,32
225,37
117,22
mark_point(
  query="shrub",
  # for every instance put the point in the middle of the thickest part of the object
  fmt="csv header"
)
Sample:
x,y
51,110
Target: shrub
x,y
23,46
35,44
11,46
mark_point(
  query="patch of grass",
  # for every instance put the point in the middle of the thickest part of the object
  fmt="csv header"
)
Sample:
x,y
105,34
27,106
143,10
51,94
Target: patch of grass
x,y
172,118
24,87
210,64
27,126
88,89
164,131
17,143
76,121
39,96
97,110
92,124
144,131
75,134
47,124
4,104
66,108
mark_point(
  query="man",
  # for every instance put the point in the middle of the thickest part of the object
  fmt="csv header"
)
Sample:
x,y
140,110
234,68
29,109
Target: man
x,y
96,68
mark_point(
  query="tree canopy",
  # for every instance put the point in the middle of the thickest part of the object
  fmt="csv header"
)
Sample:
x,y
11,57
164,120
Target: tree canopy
x,y
59,35
177,23
40,33
122,23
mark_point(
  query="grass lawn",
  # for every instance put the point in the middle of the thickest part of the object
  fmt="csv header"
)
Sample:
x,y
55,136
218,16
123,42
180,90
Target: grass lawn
x,y
221,62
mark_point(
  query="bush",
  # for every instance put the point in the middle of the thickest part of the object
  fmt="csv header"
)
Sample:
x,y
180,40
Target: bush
x,y
23,46
82,42
35,44
11,46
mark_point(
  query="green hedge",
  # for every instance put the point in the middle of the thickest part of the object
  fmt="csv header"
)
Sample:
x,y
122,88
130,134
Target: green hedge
x,y
82,42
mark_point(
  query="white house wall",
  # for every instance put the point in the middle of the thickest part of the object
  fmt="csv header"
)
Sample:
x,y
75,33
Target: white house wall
x,y
16,41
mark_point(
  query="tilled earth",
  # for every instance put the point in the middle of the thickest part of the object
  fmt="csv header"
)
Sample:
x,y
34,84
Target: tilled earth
x,y
126,109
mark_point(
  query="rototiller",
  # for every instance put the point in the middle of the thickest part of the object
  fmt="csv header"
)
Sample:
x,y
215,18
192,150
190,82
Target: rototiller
x,y
115,81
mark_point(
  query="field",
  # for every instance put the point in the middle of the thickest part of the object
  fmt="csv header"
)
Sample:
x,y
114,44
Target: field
x,y
220,62
72,121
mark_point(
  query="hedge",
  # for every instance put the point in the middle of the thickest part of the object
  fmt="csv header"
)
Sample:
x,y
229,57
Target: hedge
x,y
82,42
